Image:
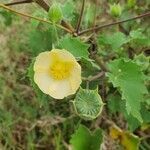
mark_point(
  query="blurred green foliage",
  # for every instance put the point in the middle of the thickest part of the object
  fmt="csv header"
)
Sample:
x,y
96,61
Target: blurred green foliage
x,y
34,121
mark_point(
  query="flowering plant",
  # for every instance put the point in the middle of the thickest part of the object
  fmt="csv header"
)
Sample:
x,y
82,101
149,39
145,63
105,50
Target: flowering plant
x,y
63,74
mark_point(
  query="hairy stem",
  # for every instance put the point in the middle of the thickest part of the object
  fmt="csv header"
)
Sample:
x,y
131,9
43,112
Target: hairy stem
x,y
19,2
35,18
43,4
95,77
113,23
80,17
100,62
46,7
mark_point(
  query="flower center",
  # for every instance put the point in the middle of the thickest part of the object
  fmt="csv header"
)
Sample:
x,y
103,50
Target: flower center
x,y
61,70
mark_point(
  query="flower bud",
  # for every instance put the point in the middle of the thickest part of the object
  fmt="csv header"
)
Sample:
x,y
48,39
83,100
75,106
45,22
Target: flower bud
x,y
115,10
55,13
131,3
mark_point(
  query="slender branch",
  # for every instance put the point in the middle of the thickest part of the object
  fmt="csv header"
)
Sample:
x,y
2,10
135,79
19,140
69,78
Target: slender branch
x,y
68,26
43,4
46,7
35,18
113,23
95,77
19,2
80,17
96,4
100,62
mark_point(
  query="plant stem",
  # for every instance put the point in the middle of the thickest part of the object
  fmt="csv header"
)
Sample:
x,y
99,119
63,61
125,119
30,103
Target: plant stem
x,y
35,18
46,7
100,62
43,4
19,2
95,12
56,34
95,77
113,23
80,17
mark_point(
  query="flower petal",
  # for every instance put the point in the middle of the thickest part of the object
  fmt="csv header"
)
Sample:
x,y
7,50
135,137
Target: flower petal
x,y
54,88
75,78
60,89
42,62
43,80
64,55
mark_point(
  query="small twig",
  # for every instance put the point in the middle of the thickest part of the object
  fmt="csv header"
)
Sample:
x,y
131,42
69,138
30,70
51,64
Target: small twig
x,y
68,26
110,56
43,4
145,137
95,77
68,147
80,17
113,23
100,62
130,49
19,2
94,22
46,7
35,18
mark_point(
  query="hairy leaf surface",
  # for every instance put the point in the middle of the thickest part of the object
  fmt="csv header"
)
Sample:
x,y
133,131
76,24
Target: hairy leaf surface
x,y
127,76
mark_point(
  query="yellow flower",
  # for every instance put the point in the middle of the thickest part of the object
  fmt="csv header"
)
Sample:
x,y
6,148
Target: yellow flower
x,y
57,73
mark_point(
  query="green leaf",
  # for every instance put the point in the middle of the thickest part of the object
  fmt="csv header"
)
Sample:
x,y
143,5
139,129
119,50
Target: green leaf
x,y
133,123
41,40
115,103
139,39
41,14
55,13
145,111
142,61
88,104
8,17
115,41
82,139
89,14
74,46
137,34
88,67
131,3
68,9
127,76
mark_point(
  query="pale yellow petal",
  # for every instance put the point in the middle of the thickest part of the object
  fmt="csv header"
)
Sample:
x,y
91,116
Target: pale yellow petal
x,y
60,89
43,62
64,55
43,80
75,78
